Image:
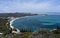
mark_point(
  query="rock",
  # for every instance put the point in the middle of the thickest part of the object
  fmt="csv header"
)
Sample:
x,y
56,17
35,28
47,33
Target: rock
x,y
44,33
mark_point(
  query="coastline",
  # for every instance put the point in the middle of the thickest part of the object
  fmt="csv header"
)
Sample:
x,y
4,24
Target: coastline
x,y
12,19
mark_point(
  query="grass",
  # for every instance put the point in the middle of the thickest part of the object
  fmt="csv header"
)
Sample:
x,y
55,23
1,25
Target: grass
x,y
3,26
23,35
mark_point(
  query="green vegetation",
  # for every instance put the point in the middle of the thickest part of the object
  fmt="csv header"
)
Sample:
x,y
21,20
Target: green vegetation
x,y
56,31
3,26
46,34
23,35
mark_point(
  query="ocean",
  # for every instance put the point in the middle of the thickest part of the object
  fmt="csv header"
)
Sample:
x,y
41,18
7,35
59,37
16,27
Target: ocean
x,y
33,23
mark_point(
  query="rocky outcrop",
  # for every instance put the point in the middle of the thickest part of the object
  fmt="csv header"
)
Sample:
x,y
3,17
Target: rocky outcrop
x,y
44,34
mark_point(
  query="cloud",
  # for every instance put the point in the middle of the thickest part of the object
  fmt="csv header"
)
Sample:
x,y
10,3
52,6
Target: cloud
x,y
29,6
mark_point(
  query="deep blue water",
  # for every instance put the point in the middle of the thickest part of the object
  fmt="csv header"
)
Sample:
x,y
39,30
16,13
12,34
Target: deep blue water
x,y
36,22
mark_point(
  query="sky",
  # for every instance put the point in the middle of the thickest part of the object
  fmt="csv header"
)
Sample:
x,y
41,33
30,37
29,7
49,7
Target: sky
x,y
31,6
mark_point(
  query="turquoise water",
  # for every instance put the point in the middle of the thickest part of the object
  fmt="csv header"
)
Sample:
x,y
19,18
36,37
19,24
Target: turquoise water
x,y
36,22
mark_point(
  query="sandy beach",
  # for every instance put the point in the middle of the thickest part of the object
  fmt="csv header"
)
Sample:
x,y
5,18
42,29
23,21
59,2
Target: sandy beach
x,y
11,26
13,19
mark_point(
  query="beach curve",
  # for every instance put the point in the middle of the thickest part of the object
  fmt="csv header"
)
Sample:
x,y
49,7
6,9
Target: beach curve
x,y
11,22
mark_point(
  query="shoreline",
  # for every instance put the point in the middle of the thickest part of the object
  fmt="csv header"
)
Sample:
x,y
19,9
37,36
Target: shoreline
x,y
11,26
13,19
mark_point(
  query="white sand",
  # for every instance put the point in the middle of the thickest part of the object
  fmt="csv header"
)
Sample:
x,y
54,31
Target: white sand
x,y
17,32
12,20
1,33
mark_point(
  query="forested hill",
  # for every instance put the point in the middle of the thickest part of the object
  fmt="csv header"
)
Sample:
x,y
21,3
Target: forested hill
x,y
15,14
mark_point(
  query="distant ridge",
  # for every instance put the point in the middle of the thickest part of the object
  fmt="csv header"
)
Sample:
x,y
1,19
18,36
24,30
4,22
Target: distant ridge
x,y
15,14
